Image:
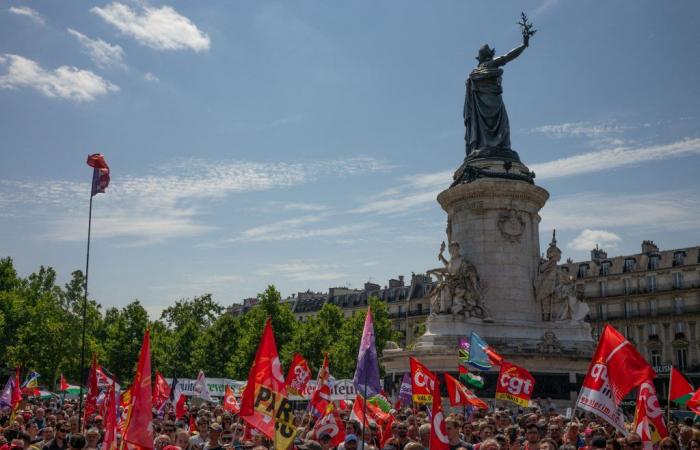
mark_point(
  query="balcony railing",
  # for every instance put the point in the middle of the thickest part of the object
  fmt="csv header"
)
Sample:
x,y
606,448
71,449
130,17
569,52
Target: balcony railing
x,y
659,289
616,315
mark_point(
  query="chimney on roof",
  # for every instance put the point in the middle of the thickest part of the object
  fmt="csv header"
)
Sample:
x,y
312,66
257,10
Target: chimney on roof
x,y
649,247
598,254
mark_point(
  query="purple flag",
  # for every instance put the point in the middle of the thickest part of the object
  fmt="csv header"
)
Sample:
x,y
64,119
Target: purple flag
x,y
366,379
405,391
6,395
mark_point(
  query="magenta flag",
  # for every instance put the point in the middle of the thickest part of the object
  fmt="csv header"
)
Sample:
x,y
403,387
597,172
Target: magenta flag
x,y
366,379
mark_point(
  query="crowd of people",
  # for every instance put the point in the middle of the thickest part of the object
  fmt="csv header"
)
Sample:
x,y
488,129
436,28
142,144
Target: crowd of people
x,y
55,425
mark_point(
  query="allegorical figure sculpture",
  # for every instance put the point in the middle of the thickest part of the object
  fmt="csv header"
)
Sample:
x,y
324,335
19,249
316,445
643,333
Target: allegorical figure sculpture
x,y
485,116
458,290
555,290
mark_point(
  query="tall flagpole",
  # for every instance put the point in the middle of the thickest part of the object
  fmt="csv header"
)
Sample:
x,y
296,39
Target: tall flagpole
x,y
668,405
364,406
85,304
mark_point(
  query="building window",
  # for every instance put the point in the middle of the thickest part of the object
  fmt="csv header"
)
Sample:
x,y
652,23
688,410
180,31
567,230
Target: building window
x,y
400,310
627,286
605,268
655,357
682,358
653,262
651,283
652,330
678,305
653,306
603,311
628,332
678,258
677,280
680,327
629,311
582,270
630,264
603,287
419,308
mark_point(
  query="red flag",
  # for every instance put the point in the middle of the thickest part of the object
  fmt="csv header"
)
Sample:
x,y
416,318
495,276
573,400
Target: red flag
x,y
230,403
648,413
694,402
180,407
616,368
161,391
100,176
138,424
374,414
331,425
264,403
460,395
298,376
109,440
322,395
515,384
680,389
90,407
64,384
422,382
193,424
438,431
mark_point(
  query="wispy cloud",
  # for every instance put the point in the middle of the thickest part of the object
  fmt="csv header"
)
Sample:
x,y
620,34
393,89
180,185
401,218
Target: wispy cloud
x,y
158,28
614,158
171,203
295,229
103,54
26,11
65,82
580,129
303,271
671,210
150,77
588,239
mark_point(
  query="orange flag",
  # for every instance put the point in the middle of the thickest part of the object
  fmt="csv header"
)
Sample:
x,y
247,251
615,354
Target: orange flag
x,y
230,403
460,395
264,404
138,425
438,430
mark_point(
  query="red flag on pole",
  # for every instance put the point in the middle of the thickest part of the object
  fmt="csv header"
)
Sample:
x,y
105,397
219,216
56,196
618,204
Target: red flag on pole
x,y
680,389
100,176
298,376
230,403
138,425
515,384
693,403
422,381
616,368
90,407
649,412
264,403
161,391
331,425
64,384
438,430
460,395
322,395
109,440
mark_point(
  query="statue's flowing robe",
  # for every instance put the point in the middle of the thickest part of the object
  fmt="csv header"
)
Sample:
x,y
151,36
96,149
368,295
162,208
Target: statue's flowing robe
x,y
485,116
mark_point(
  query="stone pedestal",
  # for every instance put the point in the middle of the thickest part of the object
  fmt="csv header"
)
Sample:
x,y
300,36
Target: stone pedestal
x,y
496,220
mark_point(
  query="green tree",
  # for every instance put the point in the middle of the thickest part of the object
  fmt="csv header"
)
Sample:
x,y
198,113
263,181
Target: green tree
x,y
125,331
316,336
343,354
251,328
217,345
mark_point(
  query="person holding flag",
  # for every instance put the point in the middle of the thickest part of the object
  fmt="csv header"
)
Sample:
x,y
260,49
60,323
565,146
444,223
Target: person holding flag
x,y
366,378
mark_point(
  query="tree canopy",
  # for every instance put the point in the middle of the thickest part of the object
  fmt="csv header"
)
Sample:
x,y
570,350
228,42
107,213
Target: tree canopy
x,y
41,324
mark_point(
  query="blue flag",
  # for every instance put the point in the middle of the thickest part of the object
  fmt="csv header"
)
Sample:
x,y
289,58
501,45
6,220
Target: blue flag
x,y
477,353
366,379
406,391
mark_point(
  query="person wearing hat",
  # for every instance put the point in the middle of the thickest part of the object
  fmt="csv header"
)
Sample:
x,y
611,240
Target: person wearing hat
x,y
350,442
214,434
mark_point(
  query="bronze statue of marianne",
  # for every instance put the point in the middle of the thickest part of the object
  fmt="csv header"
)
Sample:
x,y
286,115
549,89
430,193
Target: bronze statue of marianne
x,y
485,116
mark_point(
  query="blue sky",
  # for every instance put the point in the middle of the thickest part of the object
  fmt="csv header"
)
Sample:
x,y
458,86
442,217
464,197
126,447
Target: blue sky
x,y
303,143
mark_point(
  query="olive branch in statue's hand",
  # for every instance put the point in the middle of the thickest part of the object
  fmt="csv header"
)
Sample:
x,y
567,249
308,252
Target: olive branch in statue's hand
x,y
526,29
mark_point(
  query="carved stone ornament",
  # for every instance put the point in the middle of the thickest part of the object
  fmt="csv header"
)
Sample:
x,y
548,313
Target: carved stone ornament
x,y
511,225
549,343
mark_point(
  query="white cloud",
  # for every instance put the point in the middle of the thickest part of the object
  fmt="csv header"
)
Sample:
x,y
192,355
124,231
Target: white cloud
x,y
579,129
158,28
671,210
150,77
103,54
65,82
614,158
26,11
296,228
303,271
588,239
170,204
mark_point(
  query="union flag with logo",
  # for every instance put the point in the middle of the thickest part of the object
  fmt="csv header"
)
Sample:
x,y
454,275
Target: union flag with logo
x,y
515,384
422,382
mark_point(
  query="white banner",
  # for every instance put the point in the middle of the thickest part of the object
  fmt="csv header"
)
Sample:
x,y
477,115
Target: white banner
x,y
340,389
